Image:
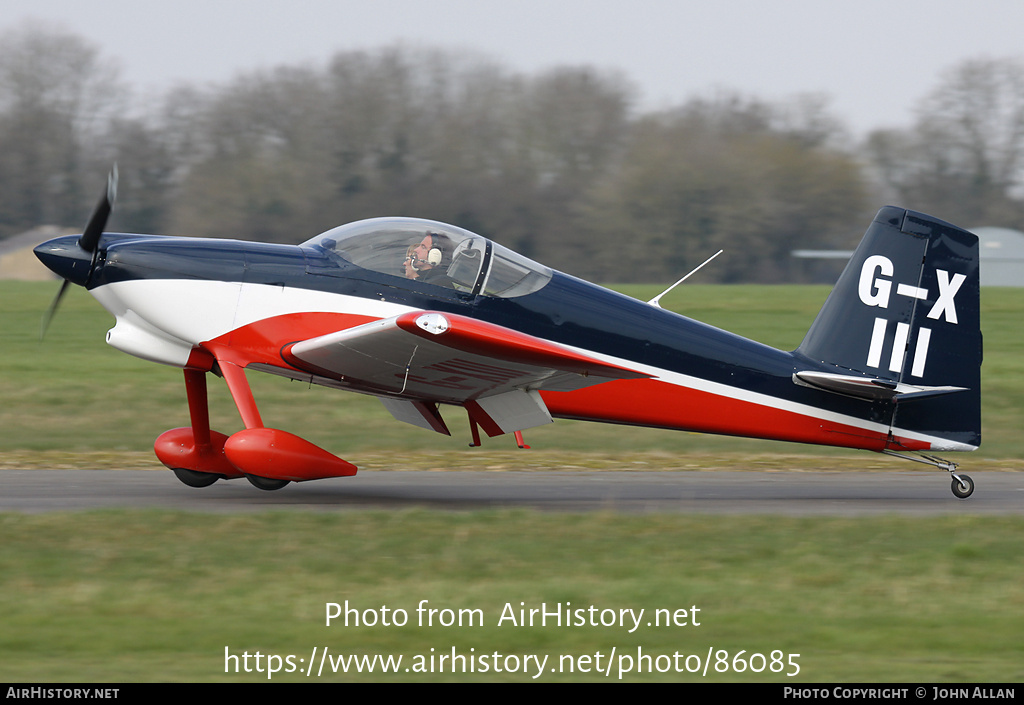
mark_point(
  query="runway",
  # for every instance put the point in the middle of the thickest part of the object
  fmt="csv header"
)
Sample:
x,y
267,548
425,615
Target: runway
x,y
778,493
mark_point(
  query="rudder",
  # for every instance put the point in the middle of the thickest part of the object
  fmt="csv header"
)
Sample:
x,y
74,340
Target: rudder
x,y
906,313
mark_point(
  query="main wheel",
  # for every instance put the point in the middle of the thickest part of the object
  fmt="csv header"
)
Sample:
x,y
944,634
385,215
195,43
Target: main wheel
x,y
193,478
964,490
266,483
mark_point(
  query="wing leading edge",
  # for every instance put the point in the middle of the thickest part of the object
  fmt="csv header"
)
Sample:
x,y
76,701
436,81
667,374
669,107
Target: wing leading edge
x,y
421,358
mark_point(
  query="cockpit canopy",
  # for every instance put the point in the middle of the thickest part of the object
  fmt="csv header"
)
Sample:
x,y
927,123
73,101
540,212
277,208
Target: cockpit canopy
x,y
434,253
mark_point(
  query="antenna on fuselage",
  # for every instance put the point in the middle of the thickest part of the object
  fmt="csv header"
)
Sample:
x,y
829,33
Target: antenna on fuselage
x,y
655,301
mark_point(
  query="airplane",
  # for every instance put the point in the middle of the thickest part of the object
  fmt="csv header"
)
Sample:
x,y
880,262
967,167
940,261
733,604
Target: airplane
x,y
429,316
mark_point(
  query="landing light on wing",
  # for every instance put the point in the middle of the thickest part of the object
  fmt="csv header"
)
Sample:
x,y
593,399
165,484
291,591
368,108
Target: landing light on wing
x,y
433,323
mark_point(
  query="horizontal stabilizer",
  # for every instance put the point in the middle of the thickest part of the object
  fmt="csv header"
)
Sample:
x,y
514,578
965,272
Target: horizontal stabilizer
x,y
870,388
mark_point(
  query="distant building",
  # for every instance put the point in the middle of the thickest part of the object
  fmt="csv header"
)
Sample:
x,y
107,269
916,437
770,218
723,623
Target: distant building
x,y
1002,256
1001,251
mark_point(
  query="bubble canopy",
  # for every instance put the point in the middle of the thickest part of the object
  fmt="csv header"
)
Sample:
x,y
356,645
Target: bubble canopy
x,y
434,253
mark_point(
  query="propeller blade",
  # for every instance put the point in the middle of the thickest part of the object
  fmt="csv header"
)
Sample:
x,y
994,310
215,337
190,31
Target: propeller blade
x,y
89,241
53,309
94,229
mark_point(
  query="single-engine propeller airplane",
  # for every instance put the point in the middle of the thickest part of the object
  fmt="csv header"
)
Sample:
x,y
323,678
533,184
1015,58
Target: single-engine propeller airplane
x,y
425,315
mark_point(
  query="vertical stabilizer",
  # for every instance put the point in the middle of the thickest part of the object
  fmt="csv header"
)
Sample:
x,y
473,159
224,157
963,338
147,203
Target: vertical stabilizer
x,y
906,310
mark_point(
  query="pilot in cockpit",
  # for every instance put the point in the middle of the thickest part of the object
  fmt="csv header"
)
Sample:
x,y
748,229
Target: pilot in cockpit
x,y
428,260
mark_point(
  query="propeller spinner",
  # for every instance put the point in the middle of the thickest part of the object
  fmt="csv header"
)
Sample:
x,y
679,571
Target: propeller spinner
x,y
75,260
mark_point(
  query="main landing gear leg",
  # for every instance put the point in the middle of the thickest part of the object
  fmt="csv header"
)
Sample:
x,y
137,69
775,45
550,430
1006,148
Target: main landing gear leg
x,y
268,457
234,376
195,454
961,485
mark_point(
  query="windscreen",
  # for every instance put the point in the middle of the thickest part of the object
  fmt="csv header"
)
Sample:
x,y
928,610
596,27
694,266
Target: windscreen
x,y
429,252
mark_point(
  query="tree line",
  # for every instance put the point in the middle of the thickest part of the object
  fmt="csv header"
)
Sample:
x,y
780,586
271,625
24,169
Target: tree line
x,y
557,165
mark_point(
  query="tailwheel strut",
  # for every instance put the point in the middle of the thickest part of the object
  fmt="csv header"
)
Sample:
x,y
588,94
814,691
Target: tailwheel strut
x,y
962,485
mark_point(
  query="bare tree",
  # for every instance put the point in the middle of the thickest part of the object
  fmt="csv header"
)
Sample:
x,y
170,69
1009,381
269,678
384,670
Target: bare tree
x,y
55,94
964,158
721,173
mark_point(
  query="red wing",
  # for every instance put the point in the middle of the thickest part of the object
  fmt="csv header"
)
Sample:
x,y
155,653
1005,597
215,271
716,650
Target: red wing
x,y
446,357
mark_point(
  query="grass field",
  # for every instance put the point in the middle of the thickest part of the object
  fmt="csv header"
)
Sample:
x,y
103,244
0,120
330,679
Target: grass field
x,y
158,596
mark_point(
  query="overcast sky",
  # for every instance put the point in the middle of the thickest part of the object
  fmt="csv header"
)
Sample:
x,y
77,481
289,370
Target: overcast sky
x,y
874,58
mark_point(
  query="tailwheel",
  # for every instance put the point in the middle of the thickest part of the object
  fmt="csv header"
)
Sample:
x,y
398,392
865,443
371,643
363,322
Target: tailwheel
x,y
266,483
962,486
193,478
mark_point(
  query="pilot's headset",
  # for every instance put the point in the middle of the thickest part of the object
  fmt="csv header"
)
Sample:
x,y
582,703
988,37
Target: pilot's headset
x,y
434,254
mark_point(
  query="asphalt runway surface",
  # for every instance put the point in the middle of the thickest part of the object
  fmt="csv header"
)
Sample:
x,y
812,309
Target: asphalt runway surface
x,y
781,493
